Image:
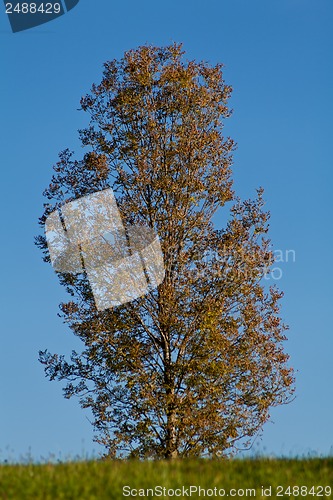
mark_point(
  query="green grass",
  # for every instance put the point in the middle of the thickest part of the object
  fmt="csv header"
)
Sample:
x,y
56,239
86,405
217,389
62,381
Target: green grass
x,y
97,480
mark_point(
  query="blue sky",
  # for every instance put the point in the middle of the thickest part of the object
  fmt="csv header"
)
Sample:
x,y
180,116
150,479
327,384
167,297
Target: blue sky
x,y
278,58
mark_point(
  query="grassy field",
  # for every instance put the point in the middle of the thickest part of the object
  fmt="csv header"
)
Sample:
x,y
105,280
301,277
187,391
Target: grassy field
x,y
217,479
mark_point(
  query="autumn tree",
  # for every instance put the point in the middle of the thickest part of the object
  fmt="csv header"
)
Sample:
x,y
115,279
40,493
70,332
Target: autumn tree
x,y
193,367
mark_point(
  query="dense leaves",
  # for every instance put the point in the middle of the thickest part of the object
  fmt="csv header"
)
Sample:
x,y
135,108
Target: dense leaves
x,y
192,368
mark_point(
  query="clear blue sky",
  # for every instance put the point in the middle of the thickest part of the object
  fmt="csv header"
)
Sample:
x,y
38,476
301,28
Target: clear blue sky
x,y
278,58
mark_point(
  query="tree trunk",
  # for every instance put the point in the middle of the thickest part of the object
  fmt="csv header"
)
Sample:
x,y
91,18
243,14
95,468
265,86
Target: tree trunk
x,y
171,451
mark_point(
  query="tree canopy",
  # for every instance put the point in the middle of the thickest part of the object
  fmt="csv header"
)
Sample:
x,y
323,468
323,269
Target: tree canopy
x,y
193,367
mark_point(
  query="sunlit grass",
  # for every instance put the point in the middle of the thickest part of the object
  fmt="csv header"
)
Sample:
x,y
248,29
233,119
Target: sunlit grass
x,y
106,480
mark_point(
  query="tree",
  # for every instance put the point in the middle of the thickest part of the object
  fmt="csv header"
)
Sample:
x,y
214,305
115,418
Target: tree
x,y
193,367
